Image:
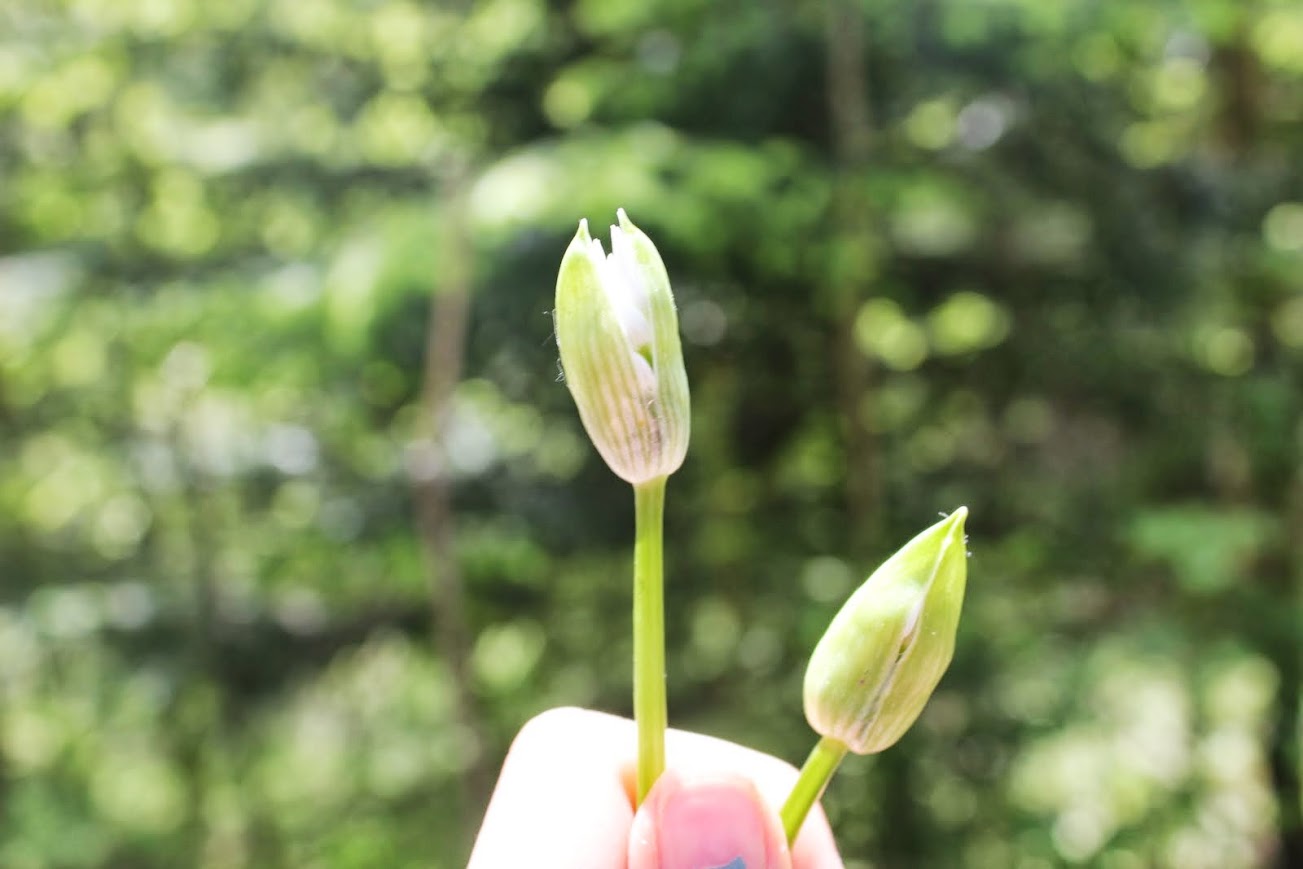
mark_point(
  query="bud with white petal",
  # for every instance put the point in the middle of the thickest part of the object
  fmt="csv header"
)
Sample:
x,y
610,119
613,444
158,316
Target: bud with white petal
x,y
618,334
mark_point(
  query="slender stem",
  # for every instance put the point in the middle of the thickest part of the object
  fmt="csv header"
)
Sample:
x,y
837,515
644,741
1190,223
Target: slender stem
x,y
649,632
816,772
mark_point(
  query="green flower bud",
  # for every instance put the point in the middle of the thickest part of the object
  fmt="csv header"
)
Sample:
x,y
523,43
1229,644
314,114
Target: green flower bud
x,y
618,334
880,659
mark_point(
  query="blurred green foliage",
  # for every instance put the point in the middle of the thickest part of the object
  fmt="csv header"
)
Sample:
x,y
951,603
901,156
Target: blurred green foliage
x,y
1058,277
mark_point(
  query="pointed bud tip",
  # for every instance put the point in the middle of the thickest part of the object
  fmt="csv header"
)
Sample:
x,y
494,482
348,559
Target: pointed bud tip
x,y
952,527
582,234
625,223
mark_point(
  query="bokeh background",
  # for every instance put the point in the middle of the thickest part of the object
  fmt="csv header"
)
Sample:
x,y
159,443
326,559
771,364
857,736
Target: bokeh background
x,y
298,524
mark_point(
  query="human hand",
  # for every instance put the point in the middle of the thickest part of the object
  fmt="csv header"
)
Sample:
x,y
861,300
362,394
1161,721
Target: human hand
x,y
564,800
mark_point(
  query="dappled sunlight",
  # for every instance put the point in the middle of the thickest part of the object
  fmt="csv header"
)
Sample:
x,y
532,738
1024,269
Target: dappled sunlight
x,y
298,524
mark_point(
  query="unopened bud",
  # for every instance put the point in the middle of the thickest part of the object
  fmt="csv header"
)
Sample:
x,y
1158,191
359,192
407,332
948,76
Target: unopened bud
x,y
618,334
885,651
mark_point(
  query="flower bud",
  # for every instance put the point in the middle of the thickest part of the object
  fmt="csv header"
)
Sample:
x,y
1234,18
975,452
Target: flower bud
x,y
618,334
880,659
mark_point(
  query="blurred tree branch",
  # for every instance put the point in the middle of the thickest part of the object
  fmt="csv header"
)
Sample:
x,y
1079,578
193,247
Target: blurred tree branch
x,y
853,262
444,351
1286,750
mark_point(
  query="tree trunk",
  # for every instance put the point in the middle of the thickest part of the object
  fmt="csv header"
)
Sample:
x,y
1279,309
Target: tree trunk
x,y
853,267
444,350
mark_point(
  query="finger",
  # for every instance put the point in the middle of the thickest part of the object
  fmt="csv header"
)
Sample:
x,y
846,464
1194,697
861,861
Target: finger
x,y
560,802
720,822
697,755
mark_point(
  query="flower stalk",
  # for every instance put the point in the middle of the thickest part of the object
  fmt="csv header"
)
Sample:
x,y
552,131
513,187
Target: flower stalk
x,y
649,707
815,774
618,333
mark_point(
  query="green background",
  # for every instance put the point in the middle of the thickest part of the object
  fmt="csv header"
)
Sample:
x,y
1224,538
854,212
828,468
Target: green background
x,y
298,524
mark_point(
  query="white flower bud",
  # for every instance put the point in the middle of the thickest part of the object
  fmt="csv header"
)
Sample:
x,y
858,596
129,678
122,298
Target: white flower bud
x,y
618,334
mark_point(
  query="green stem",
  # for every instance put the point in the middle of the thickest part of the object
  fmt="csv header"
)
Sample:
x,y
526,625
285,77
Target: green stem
x,y
816,772
649,632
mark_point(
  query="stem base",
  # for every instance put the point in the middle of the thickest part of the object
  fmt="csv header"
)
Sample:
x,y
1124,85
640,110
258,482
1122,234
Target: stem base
x,y
649,632
818,769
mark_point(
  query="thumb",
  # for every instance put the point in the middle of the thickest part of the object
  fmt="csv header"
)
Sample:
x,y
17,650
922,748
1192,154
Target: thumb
x,y
720,822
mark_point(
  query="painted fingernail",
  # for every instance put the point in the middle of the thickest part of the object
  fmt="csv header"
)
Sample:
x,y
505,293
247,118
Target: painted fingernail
x,y
712,825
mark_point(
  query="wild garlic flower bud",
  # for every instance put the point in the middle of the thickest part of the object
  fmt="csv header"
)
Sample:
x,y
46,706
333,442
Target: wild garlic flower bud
x,y
618,334
885,651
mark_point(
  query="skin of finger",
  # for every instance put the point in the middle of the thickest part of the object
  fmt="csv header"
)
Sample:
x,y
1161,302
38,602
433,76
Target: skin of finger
x,y
645,847
695,754
566,792
560,801
698,755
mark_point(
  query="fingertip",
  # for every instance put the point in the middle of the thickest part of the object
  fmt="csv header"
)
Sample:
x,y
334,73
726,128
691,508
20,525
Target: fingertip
x,y
716,822
559,801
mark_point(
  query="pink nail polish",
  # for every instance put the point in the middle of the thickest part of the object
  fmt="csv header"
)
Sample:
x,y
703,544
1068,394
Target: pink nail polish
x,y
712,825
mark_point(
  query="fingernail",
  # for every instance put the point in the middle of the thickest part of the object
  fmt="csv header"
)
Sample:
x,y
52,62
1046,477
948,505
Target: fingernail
x,y
711,825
